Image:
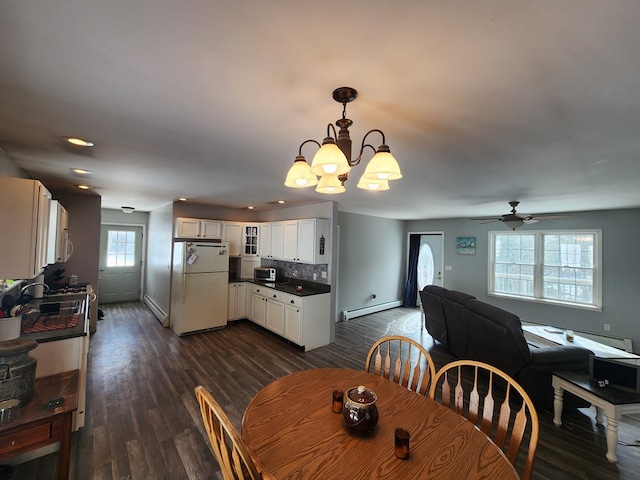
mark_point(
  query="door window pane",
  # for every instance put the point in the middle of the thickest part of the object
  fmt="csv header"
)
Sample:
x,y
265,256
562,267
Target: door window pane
x,y
121,247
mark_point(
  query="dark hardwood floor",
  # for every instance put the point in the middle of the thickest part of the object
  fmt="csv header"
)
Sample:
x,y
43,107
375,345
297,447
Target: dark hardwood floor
x,y
143,422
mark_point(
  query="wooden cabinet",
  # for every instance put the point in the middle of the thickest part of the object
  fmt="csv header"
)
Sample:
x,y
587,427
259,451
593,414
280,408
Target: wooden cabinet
x,y
59,246
232,233
292,329
237,301
196,228
275,311
305,241
271,240
25,215
250,236
304,321
258,305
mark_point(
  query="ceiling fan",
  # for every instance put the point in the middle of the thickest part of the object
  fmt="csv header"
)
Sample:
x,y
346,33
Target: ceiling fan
x,y
514,220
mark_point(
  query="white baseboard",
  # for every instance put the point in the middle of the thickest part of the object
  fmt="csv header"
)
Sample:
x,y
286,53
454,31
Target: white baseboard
x,y
359,312
157,310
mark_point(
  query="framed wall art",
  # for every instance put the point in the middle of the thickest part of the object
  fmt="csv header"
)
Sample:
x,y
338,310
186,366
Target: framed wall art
x,y
466,245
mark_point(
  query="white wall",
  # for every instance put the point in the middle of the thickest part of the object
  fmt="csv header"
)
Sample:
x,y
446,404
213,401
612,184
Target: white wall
x,y
371,260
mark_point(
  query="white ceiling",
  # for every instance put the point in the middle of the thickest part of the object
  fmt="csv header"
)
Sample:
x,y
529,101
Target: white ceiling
x,y
481,102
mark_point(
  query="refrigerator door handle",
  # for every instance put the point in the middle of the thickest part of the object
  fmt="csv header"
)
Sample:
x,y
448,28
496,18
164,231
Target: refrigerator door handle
x,y
184,287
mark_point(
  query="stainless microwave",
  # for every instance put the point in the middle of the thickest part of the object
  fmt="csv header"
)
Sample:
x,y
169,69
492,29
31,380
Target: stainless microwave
x,y
264,274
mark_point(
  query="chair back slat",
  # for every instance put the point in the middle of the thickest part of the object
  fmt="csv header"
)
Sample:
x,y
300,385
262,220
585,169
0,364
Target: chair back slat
x,y
228,448
412,366
477,396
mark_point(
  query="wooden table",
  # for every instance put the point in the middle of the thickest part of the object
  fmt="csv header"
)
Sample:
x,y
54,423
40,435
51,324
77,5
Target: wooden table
x,y
291,432
611,402
35,428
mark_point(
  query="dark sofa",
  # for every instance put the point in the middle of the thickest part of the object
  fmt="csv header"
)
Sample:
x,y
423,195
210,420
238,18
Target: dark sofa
x,y
474,330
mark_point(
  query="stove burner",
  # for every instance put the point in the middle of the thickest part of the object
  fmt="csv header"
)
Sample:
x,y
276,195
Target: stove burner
x,y
67,289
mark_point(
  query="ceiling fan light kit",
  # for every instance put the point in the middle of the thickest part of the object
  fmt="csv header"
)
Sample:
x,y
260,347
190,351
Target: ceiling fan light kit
x,y
333,162
514,220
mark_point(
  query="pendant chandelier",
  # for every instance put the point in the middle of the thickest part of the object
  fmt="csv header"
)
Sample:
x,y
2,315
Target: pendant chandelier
x,y
332,162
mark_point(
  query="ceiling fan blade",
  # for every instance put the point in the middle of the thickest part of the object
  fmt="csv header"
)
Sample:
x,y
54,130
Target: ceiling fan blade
x,y
485,218
530,220
550,217
490,221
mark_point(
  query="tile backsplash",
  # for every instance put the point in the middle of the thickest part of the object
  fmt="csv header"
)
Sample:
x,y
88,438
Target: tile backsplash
x,y
303,271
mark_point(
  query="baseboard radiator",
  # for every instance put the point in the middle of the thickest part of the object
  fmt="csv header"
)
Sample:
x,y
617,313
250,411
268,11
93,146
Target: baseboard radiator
x,y
157,310
359,312
621,343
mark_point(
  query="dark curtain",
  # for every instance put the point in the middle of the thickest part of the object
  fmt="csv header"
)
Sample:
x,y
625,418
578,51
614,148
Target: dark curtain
x,y
411,291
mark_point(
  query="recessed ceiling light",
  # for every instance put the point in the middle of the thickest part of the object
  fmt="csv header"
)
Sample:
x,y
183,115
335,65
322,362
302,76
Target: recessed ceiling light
x,y
280,201
251,207
183,199
84,187
79,141
81,171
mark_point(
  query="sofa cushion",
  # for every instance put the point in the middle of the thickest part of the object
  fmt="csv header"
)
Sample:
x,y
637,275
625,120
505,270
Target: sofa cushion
x,y
453,306
495,337
431,297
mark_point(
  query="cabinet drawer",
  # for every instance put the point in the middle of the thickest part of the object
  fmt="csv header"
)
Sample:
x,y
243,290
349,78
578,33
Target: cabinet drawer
x,y
274,295
292,300
259,289
24,438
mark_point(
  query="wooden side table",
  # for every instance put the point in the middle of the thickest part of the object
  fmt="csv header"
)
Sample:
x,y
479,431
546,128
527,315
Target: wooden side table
x,y
609,402
37,426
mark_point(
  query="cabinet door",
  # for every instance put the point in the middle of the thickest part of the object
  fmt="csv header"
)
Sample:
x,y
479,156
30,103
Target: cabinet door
x,y
258,309
277,239
210,229
42,239
241,300
232,233
232,301
188,228
293,323
290,240
275,316
307,241
265,240
250,240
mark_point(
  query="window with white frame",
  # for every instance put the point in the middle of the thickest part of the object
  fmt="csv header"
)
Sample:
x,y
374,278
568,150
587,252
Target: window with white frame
x,y
547,266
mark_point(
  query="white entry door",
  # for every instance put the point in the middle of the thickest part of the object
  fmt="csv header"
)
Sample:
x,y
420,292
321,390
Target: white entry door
x,y
120,263
430,260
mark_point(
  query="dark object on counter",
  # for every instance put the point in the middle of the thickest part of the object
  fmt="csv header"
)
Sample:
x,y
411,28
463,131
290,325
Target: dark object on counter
x,y
8,302
17,369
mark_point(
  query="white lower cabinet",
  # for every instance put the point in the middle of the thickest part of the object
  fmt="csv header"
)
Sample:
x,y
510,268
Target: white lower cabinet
x,y
275,312
304,321
293,319
237,302
258,305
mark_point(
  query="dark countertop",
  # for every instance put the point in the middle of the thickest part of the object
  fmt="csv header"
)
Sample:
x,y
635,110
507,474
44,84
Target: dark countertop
x,y
289,285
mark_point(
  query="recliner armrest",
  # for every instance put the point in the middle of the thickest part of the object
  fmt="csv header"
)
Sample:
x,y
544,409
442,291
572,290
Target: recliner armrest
x,y
549,359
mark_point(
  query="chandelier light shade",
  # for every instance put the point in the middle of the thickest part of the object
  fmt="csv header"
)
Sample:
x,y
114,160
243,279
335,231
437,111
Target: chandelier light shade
x,y
330,184
329,160
375,184
333,162
300,175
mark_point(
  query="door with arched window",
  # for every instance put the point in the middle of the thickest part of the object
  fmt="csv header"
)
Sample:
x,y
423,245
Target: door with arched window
x,y
430,261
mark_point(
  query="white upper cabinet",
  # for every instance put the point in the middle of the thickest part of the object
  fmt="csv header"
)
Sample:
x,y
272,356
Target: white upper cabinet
x,y
305,241
271,238
232,233
25,215
59,246
250,237
197,228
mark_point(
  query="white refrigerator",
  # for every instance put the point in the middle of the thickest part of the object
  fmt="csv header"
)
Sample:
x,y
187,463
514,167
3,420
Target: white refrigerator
x,y
199,286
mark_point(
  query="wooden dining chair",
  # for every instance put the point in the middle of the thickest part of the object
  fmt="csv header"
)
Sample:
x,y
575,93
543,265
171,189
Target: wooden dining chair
x,y
411,365
482,393
233,458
